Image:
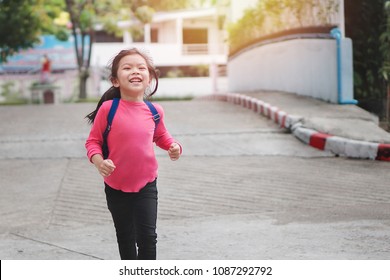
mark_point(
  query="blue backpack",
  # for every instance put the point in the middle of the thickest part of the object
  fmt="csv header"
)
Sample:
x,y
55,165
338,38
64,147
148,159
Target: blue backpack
x,y
110,117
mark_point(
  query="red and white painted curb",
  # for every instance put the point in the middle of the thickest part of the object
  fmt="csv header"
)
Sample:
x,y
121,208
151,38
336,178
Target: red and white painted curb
x,y
337,145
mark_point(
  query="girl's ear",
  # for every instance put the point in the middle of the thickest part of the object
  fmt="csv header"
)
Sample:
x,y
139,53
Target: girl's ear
x,y
114,82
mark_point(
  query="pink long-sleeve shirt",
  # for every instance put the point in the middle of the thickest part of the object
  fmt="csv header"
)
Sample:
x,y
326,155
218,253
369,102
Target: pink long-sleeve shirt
x,y
130,143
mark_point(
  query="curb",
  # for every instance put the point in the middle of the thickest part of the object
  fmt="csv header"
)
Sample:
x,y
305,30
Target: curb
x,y
337,145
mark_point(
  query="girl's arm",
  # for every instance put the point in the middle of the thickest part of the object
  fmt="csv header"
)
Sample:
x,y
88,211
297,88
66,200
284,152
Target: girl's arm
x,y
163,138
95,139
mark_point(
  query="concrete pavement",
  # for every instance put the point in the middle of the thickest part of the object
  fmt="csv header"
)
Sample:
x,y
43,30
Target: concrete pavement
x,y
220,201
345,130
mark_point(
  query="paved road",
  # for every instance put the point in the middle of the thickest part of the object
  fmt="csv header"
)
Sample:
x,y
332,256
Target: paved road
x,y
244,189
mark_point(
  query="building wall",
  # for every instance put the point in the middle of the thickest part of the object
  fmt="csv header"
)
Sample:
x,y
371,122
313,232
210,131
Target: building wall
x,y
303,66
181,87
167,32
162,54
67,86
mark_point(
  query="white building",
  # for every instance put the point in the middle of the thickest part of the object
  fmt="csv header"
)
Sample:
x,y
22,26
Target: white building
x,y
179,38
186,38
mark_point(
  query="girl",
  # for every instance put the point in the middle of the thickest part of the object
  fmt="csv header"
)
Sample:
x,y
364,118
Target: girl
x,y
130,171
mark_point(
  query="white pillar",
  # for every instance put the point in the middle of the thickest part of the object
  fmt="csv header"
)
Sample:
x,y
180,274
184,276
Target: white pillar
x,y
127,37
179,31
147,34
213,73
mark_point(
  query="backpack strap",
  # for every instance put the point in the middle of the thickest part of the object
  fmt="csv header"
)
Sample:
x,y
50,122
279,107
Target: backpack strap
x,y
110,117
155,114
111,114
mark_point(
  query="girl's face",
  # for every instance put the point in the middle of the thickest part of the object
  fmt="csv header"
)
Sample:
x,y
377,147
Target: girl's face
x,y
132,77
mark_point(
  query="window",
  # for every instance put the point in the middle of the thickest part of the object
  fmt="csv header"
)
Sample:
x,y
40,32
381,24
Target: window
x,y
154,35
195,36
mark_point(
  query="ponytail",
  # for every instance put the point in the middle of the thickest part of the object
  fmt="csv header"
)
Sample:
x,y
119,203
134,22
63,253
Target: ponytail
x,y
110,94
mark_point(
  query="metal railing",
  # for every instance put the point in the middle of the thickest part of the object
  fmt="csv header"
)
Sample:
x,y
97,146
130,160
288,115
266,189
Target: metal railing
x,y
197,49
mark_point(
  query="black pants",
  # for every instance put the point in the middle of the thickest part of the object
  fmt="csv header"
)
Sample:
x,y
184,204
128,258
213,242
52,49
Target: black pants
x,y
134,216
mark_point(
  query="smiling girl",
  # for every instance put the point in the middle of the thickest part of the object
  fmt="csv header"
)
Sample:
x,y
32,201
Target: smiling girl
x,y
130,171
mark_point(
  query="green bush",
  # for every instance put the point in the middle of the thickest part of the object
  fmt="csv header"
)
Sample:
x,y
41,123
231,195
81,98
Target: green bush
x,y
272,16
10,96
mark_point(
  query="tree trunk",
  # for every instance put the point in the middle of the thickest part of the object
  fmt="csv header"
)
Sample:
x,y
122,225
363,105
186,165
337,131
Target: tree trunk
x,y
388,106
83,78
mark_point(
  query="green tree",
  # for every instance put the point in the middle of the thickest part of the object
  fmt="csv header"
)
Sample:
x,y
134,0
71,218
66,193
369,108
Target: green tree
x,y
166,5
365,21
385,49
23,21
82,15
19,26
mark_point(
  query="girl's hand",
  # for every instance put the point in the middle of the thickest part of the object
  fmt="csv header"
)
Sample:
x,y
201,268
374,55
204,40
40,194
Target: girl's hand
x,y
174,151
104,166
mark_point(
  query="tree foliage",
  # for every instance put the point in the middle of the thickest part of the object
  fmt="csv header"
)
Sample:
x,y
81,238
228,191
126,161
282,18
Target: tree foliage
x,y
19,26
385,44
159,5
271,16
385,49
23,21
365,23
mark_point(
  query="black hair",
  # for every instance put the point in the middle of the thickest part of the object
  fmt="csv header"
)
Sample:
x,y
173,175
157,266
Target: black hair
x,y
114,92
